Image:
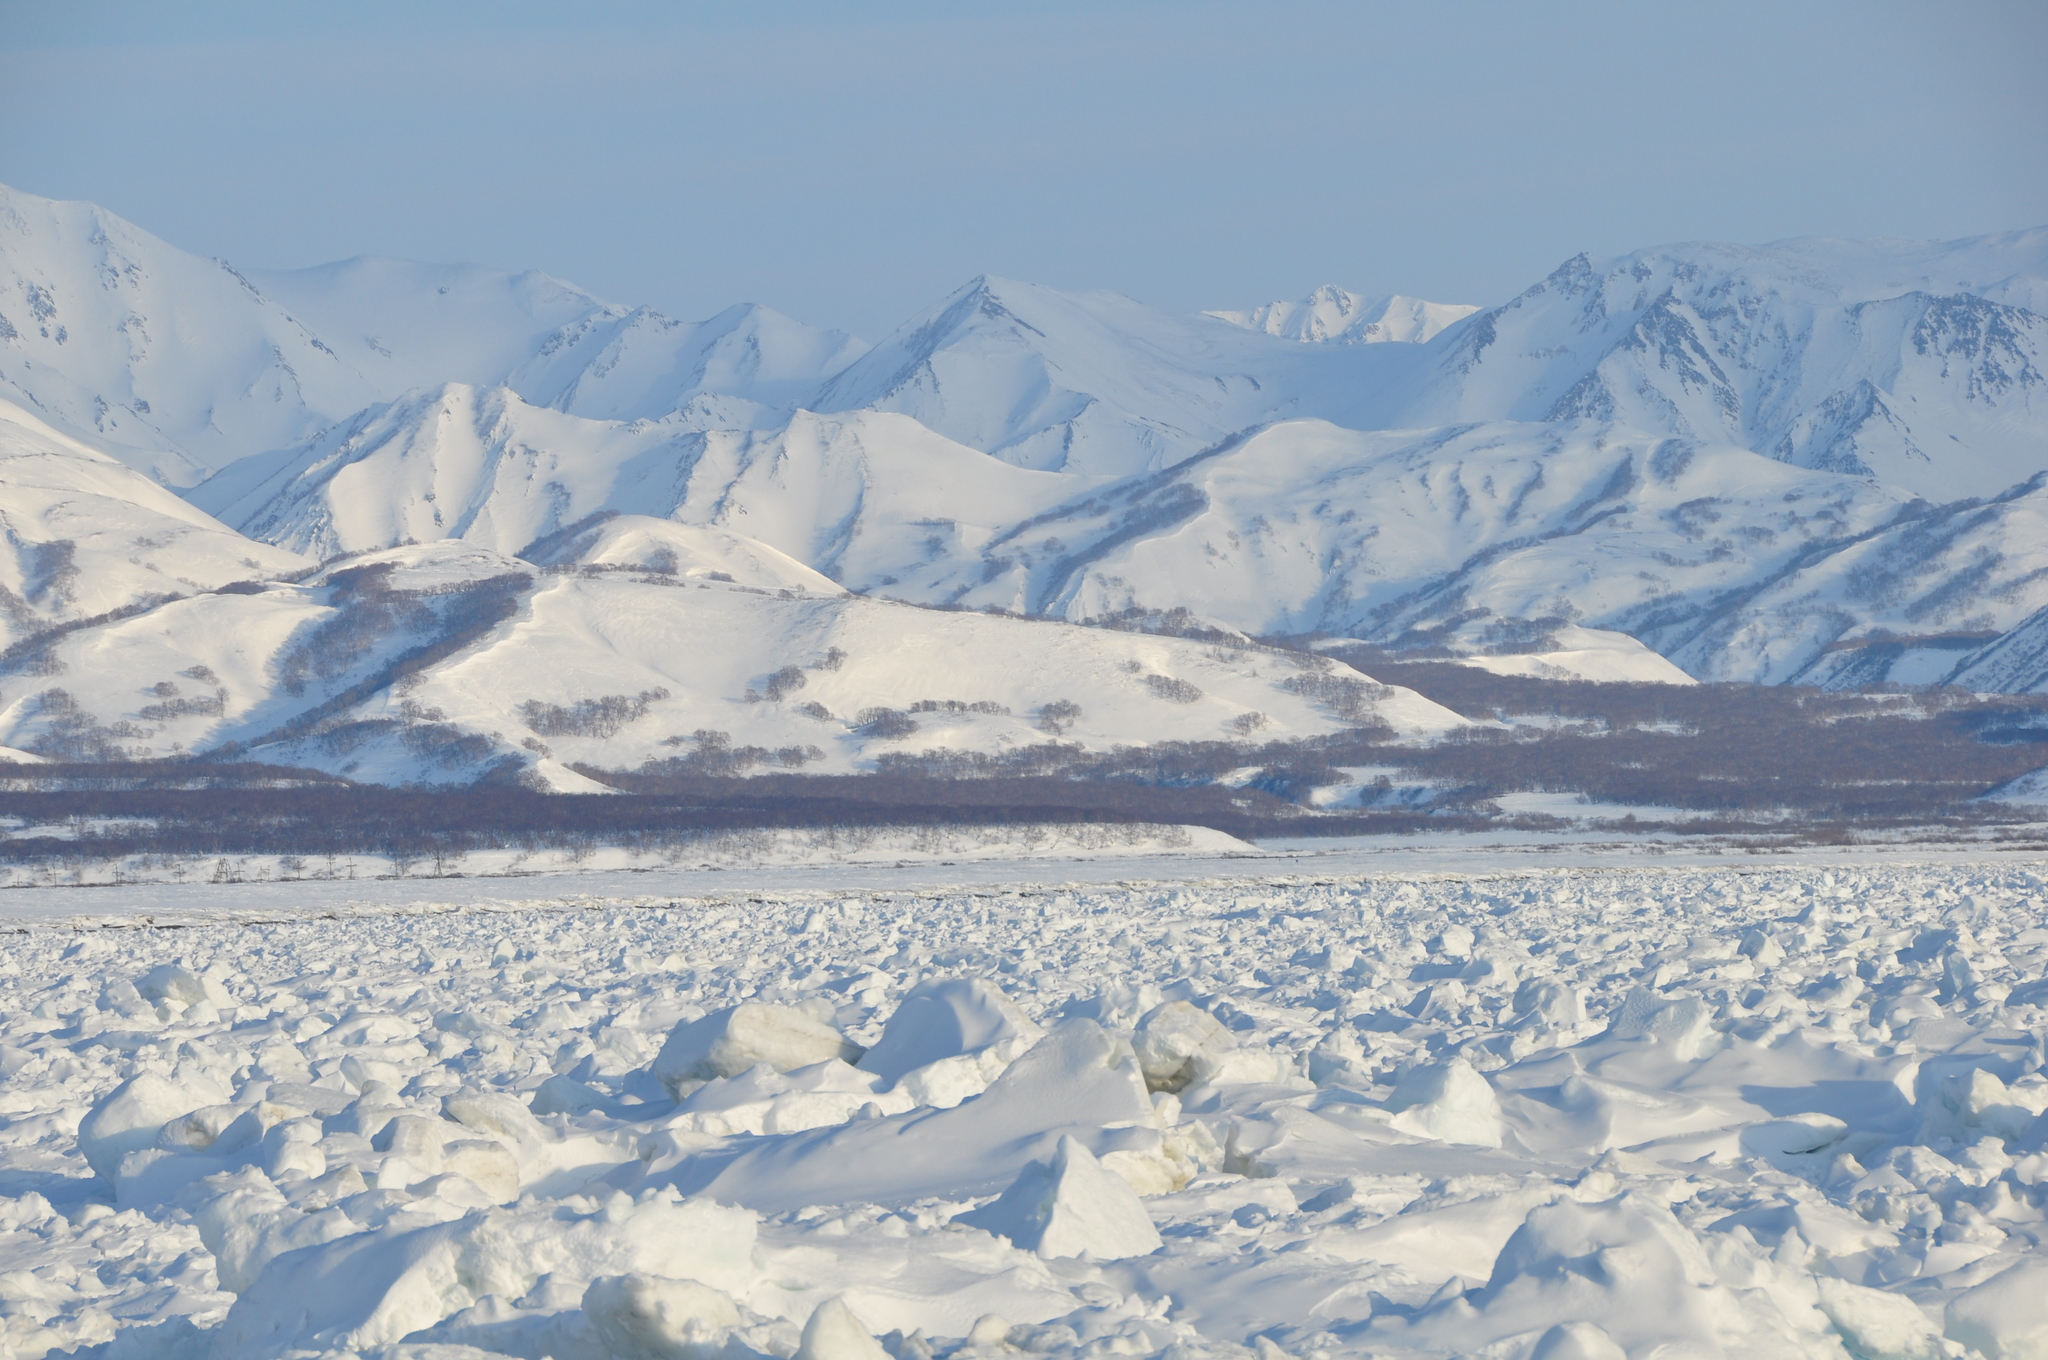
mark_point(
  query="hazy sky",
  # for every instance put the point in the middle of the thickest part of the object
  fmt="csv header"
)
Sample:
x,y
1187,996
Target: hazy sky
x,y
850,163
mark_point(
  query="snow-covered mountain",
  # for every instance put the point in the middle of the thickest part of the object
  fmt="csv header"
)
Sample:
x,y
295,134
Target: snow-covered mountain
x,y
1919,364
1733,565
179,365
1332,315
1097,384
1815,461
871,499
169,362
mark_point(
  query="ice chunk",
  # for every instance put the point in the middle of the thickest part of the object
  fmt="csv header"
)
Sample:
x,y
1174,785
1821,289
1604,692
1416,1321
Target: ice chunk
x,y
948,1039
728,1042
647,1317
1682,1025
1764,950
245,1222
762,1100
1079,1080
497,1114
1453,941
1448,1101
1577,1341
563,1094
1073,1207
485,1163
133,1115
2006,1317
169,982
1339,1060
1625,1266
1175,1041
1971,1103
1785,1142
375,1288
1875,1323
834,1333
1549,1002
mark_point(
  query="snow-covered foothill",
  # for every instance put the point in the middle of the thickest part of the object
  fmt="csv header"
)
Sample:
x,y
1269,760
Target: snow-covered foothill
x,y
614,668
1574,653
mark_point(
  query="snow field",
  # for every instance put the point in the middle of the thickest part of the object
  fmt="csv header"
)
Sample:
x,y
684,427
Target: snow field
x,y
1777,1110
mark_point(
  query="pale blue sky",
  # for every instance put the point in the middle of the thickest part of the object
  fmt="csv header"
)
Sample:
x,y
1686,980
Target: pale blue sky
x,y
851,162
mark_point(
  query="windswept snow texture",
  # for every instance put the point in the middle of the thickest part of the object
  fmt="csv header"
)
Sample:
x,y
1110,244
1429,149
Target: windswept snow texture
x,y
1706,1112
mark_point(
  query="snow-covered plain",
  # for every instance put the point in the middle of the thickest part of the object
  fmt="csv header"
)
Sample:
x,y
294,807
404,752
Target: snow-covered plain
x,y
1756,1109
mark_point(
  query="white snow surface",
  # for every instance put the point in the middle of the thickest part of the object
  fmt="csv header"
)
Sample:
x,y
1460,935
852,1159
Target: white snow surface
x,y
1724,1110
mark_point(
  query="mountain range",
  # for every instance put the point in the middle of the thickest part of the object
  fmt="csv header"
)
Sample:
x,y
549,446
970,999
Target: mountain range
x,y
1815,461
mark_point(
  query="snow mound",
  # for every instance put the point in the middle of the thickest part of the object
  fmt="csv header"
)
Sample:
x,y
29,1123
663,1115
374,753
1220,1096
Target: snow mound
x,y
1072,1207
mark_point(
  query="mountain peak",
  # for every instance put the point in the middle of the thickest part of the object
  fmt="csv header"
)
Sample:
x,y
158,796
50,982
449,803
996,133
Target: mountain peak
x,y
1333,315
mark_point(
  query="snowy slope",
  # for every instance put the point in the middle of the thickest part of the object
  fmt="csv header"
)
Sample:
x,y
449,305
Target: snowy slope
x,y
672,653
1571,652
1096,383
172,363
1731,564
456,462
403,324
1331,315
1916,363
627,365
2014,663
869,499
85,535
179,365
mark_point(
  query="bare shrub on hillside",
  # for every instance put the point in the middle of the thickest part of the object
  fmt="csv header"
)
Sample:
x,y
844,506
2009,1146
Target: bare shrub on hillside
x,y
171,704
786,681
833,659
1350,699
601,717
70,733
989,706
336,644
445,744
885,723
712,753
1172,690
52,570
1057,716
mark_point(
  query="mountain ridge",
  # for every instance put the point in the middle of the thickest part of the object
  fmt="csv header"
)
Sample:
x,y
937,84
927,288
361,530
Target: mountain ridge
x,y
1809,462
